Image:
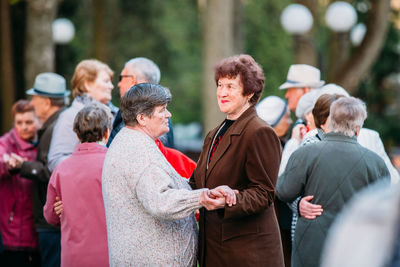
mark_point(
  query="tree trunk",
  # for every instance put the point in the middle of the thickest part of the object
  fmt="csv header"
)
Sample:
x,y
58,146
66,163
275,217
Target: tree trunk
x,y
218,43
350,74
99,30
39,56
305,51
7,69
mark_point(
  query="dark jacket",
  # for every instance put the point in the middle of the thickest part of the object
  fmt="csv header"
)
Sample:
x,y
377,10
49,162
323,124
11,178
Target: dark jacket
x,y
247,158
167,139
38,171
332,170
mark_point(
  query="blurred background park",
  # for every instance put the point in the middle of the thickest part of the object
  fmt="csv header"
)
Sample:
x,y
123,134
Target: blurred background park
x,y
355,44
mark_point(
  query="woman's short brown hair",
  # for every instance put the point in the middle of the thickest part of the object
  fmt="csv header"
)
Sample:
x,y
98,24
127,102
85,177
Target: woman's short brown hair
x,y
251,74
21,106
92,122
87,71
322,108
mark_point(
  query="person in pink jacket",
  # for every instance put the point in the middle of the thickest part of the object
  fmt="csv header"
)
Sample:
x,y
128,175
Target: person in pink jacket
x,y
19,236
74,194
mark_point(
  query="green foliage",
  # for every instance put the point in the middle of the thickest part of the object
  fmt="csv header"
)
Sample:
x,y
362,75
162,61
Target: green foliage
x,y
267,42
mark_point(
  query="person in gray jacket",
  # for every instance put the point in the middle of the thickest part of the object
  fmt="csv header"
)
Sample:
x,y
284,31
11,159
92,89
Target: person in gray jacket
x,y
91,82
332,171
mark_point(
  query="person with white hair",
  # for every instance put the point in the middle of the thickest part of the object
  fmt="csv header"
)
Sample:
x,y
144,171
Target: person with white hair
x,y
332,171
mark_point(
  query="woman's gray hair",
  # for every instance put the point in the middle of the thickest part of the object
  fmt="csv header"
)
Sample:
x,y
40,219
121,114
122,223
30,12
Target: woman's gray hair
x,y
142,99
346,114
92,122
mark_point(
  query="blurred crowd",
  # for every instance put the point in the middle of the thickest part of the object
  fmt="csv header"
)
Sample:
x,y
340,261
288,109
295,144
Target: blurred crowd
x,y
91,184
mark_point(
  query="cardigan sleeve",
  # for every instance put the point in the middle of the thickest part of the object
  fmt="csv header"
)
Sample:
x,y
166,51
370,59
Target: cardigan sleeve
x,y
48,209
156,192
263,155
63,141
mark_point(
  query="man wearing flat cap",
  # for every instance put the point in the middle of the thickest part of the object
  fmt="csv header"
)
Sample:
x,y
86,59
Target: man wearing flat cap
x,y
48,99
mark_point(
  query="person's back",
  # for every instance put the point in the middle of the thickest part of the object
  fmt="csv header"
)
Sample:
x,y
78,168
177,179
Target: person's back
x,y
76,182
83,225
332,171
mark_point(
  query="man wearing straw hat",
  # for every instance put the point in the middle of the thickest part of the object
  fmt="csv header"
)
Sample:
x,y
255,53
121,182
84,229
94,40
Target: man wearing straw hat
x,y
49,95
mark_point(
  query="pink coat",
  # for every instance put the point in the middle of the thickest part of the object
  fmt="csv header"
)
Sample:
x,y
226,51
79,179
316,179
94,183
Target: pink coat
x,y
16,204
77,182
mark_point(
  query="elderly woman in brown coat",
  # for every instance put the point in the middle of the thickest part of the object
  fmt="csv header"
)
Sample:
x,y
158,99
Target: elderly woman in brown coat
x,y
244,153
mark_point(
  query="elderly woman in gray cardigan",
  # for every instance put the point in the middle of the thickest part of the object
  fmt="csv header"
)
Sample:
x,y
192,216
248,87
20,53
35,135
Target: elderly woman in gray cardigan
x,y
149,207
332,171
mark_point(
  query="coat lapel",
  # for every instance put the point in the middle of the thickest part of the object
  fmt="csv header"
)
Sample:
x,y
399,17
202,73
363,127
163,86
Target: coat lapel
x,y
235,129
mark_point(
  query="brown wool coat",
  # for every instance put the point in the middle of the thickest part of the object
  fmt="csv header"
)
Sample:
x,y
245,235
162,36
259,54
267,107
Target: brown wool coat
x,y
247,158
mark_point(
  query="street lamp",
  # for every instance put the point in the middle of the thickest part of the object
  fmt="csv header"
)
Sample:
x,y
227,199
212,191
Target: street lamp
x,y
296,19
340,16
357,34
63,31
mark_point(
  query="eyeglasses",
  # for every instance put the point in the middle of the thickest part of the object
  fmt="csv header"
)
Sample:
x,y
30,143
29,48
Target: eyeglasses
x,y
123,76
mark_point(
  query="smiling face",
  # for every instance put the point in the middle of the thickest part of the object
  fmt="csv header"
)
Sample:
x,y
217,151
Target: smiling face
x,y
100,89
157,124
26,125
230,97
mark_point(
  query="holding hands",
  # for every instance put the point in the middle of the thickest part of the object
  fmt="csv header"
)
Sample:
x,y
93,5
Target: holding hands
x,y
217,198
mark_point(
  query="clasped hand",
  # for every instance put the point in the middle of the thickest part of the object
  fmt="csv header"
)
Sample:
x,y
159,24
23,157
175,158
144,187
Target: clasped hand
x,y
217,198
13,161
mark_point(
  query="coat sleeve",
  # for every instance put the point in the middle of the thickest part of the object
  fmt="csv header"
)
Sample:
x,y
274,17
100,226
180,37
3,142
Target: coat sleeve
x,y
35,170
3,167
158,196
263,155
291,182
63,141
52,192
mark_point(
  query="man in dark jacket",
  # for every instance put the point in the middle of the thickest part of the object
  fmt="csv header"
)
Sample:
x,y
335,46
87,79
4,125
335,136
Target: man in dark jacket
x,y
139,70
48,98
332,171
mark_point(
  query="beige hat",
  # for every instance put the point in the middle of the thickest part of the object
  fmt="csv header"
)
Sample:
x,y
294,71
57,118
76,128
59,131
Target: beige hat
x,y
301,75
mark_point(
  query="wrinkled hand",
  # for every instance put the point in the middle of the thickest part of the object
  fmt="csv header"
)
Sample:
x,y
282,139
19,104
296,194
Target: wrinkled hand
x,y
211,203
308,210
226,192
11,161
299,131
58,207
17,160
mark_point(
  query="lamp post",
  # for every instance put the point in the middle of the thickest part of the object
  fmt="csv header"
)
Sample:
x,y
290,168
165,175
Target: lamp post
x,y
340,17
297,20
63,33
